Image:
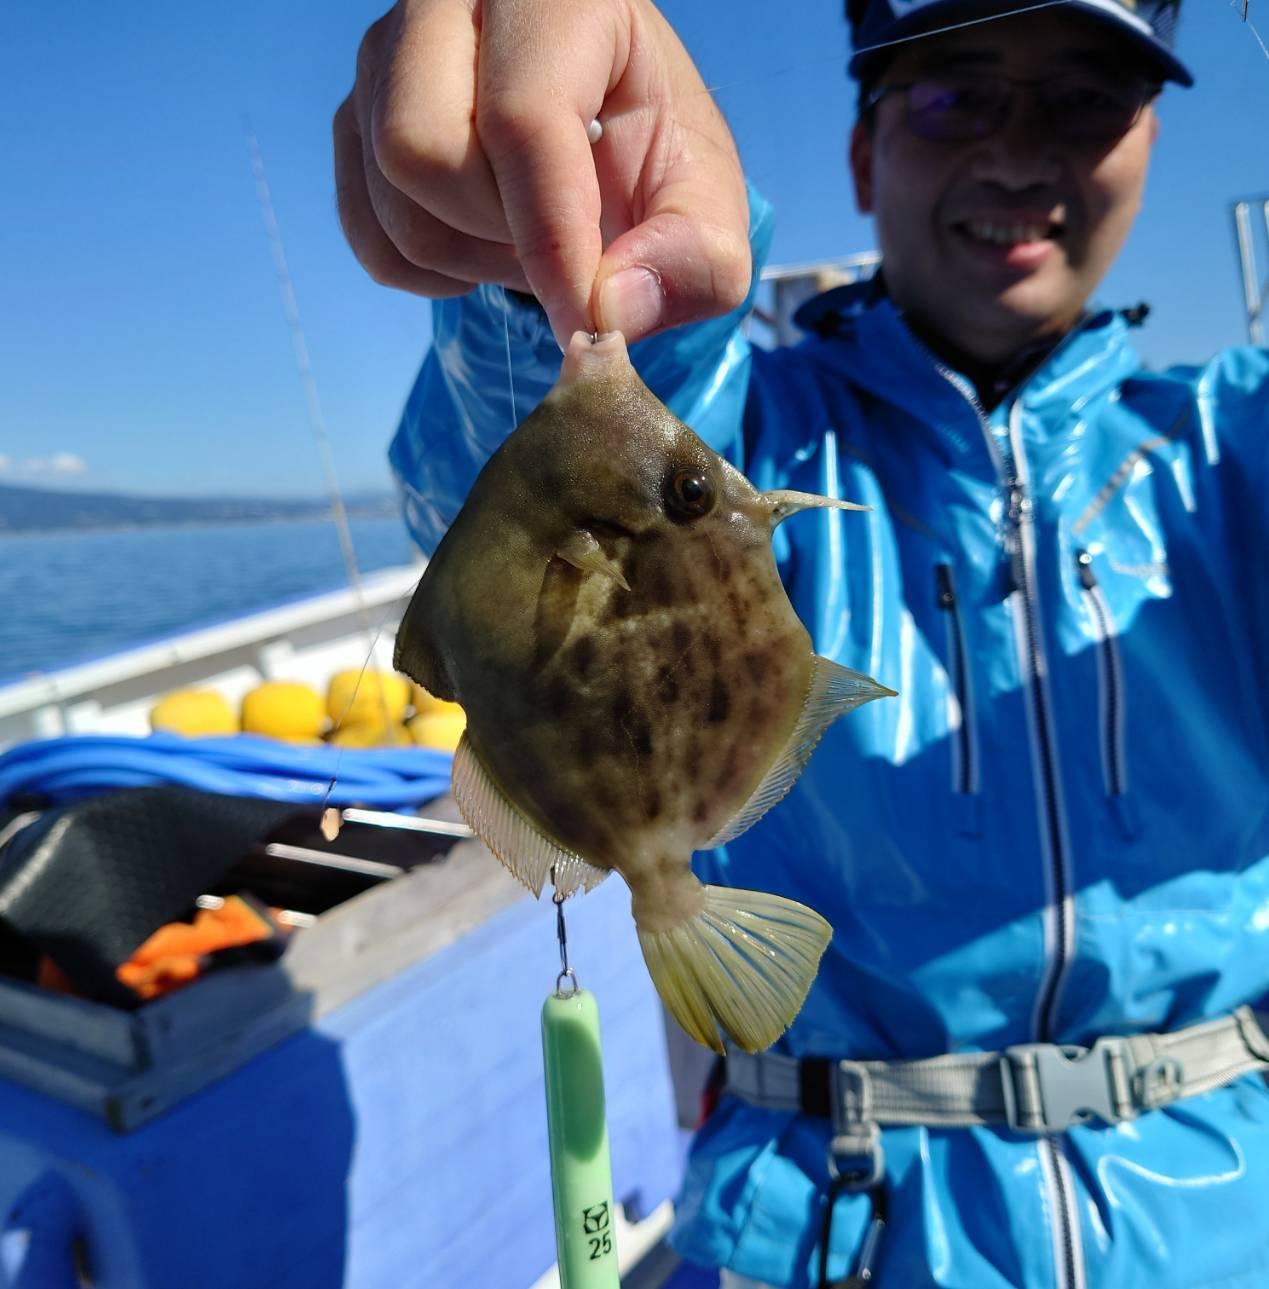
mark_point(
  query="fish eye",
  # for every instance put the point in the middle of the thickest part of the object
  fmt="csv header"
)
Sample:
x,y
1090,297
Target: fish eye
x,y
688,494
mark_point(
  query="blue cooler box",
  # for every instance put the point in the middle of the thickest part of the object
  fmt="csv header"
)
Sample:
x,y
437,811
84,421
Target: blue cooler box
x,y
367,1113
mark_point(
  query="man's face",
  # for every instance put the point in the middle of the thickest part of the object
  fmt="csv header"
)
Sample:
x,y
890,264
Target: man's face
x,y
996,242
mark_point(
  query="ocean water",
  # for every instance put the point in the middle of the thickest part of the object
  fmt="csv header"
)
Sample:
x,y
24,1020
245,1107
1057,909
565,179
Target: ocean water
x,y
69,597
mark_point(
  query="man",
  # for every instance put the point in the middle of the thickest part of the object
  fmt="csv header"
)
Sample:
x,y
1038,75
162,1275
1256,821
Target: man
x,y
1058,834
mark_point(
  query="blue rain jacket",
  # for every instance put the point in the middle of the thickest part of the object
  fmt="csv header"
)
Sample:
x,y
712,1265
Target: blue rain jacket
x,y
1059,829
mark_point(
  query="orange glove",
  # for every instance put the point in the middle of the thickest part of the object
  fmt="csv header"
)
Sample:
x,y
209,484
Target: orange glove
x,y
178,952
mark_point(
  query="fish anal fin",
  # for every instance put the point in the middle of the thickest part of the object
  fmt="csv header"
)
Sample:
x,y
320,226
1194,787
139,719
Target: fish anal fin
x,y
521,849
743,965
582,550
834,690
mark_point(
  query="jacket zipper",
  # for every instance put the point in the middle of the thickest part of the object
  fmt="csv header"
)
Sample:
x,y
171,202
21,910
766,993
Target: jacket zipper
x,y
1019,542
964,756
1110,677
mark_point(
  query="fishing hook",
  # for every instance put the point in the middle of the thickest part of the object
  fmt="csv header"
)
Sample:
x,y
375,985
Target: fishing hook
x,y
561,934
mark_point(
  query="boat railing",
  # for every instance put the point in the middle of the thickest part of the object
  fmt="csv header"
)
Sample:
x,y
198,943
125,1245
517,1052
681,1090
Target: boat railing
x,y
786,287
307,640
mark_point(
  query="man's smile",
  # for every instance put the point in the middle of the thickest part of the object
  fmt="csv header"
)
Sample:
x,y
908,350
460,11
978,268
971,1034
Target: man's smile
x,y
1021,238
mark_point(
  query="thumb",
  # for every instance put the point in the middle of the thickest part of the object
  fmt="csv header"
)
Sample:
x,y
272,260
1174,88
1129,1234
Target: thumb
x,y
678,271
688,260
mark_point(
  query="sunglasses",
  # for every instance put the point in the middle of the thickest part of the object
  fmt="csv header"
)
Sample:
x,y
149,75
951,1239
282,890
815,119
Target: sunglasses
x,y
1078,107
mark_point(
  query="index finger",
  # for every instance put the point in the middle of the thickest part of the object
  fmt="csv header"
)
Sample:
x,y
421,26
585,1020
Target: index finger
x,y
551,198
542,82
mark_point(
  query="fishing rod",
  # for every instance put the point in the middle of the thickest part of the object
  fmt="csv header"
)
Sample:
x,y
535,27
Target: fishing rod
x,y
316,418
1245,5
317,422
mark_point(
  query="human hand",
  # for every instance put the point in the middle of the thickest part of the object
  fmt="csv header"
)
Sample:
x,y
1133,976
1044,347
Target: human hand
x,y
462,156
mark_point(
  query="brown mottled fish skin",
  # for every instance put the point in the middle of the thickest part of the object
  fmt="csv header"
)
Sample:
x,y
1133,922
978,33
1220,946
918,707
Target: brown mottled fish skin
x,y
606,608
627,725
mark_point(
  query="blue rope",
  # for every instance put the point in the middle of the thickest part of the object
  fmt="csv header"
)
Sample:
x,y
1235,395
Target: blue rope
x,y
77,766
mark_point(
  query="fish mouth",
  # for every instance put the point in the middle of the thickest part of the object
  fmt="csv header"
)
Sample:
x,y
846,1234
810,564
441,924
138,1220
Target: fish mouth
x,y
784,503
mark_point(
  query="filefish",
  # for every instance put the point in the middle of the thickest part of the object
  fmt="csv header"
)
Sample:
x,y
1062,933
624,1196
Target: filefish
x,y
607,610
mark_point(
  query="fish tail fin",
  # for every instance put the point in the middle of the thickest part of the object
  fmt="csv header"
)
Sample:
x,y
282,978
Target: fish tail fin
x,y
744,963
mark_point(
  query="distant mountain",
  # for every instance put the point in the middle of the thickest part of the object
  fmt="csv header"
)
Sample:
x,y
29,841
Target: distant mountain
x,y
32,510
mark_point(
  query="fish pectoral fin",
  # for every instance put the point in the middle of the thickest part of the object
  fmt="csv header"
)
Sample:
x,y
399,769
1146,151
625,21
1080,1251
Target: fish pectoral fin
x,y
834,691
744,964
521,849
582,550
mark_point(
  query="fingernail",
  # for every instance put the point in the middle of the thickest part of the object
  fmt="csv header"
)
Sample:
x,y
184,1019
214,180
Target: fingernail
x,y
631,302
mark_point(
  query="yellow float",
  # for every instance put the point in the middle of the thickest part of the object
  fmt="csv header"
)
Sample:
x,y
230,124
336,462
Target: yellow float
x,y
195,713
284,709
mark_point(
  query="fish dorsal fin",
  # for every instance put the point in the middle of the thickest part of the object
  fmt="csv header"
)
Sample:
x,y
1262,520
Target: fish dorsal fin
x,y
834,690
519,846
582,550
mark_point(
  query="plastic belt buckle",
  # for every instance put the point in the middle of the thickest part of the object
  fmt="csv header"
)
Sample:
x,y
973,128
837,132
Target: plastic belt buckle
x,y
856,1135
1048,1088
1253,1028
856,1161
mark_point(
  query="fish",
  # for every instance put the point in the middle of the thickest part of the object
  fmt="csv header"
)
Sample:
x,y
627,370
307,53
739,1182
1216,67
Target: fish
x,y
607,610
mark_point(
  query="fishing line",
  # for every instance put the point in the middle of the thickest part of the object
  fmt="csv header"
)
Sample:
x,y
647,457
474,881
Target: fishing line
x,y
331,818
749,81
330,825
506,335
971,22
1242,7
317,422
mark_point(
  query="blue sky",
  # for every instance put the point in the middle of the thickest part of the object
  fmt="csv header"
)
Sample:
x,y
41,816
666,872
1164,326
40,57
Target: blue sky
x,y
142,339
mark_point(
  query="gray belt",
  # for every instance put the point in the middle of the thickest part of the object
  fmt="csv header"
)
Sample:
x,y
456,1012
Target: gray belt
x,y
1032,1087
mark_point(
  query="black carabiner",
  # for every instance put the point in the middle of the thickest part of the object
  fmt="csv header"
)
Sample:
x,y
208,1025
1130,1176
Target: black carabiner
x,y
865,1265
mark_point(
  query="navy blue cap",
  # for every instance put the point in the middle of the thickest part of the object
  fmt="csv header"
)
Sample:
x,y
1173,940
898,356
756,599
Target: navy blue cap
x,y
878,26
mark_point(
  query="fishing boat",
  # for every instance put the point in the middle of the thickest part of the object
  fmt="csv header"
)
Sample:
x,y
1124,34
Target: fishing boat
x,y
368,1109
